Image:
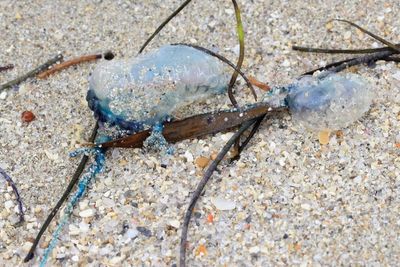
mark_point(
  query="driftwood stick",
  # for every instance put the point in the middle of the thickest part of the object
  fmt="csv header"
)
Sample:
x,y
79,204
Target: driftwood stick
x,y
195,126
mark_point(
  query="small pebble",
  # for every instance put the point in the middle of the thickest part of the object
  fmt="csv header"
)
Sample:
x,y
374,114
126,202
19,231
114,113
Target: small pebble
x,y
188,156
9,204
323,137
397,75
347,35
131,233
144,231
254,250
174,223
3,95
222,204
27,116
86,213
329,26
202,162
201,250
210,218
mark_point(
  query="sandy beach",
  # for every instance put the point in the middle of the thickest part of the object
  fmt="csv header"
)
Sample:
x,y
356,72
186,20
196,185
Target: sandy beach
x,y
295,202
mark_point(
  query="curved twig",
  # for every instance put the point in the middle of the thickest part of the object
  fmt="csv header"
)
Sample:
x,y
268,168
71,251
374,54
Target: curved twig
x,y
202,184
17,196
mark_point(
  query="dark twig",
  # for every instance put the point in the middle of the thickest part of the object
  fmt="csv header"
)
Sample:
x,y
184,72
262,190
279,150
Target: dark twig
x,y
6,67
17,196
383,53
240,146
202,184
391,45
70,186
31,73
256,126
340,51
165,22
343,64
225,60
394,59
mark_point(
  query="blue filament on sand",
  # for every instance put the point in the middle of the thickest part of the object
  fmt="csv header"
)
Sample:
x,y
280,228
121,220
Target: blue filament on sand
x,y
95,168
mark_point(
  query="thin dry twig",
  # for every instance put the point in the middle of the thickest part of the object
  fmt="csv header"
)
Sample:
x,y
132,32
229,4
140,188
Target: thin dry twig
x,y
240,33
344,64
376,37
17,196
200,187
32,73
339,51
67,64
6,67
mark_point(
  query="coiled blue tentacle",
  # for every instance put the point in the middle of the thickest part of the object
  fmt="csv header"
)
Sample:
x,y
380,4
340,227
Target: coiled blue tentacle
x,y
96,167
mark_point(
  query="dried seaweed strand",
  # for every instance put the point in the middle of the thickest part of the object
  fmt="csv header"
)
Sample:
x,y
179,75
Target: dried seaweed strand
x,y
240,32
31,73
17,196
67,64
72,183
6,67
197,193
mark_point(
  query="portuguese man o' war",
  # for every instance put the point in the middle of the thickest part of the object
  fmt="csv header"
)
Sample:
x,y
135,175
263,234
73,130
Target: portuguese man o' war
x,y
146,90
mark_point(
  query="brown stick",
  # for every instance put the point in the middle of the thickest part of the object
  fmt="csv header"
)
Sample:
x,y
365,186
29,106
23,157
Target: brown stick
x,y
67,64
6,67
195,126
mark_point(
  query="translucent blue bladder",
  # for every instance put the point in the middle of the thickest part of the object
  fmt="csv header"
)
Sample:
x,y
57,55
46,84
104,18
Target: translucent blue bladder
x,y
330,102
147,89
